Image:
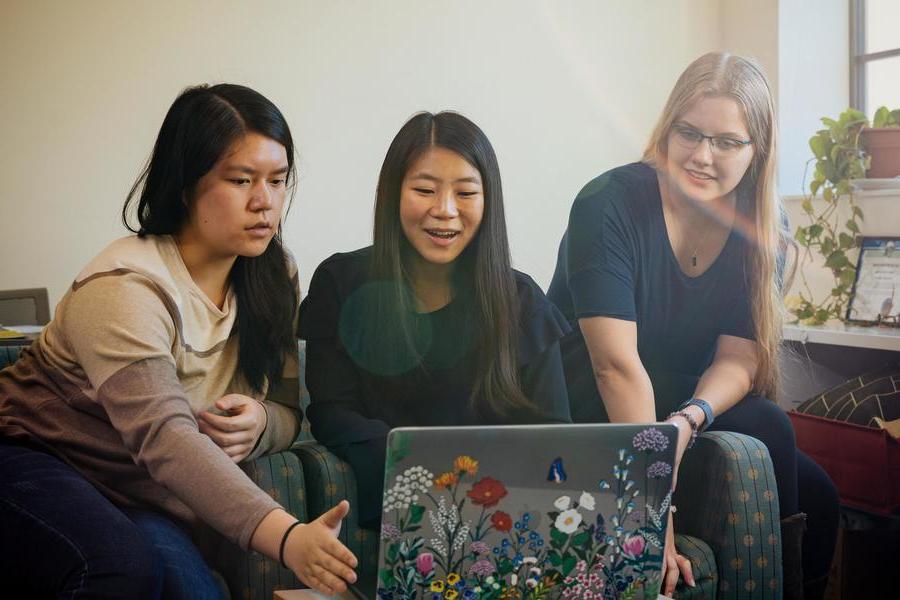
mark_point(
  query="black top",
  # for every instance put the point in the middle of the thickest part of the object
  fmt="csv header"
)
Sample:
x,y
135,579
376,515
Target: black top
x,y
615,260
355,403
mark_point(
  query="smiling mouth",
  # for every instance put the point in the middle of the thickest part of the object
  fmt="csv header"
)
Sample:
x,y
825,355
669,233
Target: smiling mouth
x,y
443,234
699,175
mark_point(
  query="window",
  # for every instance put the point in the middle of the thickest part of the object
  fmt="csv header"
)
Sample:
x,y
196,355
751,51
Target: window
x,y
874,54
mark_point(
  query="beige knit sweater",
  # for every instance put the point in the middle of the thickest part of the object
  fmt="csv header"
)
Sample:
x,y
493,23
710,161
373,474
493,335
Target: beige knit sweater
x,y
114,384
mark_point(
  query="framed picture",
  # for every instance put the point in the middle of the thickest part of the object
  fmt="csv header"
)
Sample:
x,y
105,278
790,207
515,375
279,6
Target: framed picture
x,y
876,291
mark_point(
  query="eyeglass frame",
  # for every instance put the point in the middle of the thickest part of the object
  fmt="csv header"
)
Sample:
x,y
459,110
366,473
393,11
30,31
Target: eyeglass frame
x,y
713,146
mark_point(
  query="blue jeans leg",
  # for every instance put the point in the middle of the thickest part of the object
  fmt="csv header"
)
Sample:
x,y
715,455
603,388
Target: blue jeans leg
x,y
186,573
61,538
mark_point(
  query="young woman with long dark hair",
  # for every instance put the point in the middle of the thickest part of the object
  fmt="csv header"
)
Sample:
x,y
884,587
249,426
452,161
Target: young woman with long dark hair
x,y
430,325
172,357
668,273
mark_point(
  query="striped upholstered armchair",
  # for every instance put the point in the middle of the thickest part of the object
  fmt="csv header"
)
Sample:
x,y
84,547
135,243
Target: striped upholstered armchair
x,y
730,531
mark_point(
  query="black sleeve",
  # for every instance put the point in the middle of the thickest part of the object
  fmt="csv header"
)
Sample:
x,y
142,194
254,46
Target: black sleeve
x,y
541,326
336,412
600,252
544,383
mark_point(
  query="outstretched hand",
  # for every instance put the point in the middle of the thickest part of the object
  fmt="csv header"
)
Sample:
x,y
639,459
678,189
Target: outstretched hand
x,y
315,555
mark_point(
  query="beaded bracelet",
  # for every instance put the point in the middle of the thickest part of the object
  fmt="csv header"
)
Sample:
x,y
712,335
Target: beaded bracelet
x,y
283,542
694,426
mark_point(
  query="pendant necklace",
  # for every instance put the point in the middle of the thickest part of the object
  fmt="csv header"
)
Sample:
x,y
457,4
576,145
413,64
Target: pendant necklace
x,y
697,247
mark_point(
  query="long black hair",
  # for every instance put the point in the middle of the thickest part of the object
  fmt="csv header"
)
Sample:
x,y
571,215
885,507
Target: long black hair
x,y
202,123
483,268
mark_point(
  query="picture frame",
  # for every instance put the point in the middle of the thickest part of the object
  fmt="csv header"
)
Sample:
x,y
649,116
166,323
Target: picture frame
x,y
875,298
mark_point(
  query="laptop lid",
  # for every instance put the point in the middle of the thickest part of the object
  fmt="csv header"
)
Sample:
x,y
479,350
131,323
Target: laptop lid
x,y
534,511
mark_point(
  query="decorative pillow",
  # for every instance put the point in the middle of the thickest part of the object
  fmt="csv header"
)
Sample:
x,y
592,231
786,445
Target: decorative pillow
x,y
860,400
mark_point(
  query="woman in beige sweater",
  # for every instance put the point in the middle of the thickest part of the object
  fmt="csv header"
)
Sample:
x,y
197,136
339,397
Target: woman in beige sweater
x,y
170,359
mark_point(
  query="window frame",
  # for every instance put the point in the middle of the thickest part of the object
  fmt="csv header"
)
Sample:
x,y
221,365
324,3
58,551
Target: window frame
x,y
859,59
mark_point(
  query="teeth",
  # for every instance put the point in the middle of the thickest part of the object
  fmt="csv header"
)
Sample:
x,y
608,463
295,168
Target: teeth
x,y
442,234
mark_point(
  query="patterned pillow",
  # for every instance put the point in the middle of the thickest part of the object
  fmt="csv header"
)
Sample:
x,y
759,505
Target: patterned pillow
x,y
861,399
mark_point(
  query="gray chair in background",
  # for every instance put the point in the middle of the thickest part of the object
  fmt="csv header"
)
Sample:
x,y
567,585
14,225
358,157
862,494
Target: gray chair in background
x,y
24,307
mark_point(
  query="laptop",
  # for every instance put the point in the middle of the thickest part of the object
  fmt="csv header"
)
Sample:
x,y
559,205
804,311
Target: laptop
x,y
533,511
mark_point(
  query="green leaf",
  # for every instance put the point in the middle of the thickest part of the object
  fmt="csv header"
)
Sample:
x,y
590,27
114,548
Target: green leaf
x,y
814,230
822,315
828,194
568,564
807,203
827,246
581,539
881,117
817,145
555,558
857,211
800,236
846,241
804,313
852,226
848,277
416,512
835,260
557,537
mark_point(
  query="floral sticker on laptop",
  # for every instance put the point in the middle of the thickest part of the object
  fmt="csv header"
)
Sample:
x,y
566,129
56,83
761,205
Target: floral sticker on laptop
x,y
479,546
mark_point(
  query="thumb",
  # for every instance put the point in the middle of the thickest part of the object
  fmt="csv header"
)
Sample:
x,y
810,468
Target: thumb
x,y
333,517
230,402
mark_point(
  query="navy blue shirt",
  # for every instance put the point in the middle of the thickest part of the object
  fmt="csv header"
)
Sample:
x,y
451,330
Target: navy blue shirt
x,y
615,260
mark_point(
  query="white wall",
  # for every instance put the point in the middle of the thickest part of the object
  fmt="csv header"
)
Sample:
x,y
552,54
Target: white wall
x,y
564,90
814,79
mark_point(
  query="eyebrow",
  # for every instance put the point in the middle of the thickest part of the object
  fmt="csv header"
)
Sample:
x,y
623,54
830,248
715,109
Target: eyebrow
x,y
252,171
730,134
430,177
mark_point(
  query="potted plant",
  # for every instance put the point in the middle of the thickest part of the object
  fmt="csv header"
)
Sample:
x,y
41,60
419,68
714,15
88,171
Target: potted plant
x,y
839,158
882,142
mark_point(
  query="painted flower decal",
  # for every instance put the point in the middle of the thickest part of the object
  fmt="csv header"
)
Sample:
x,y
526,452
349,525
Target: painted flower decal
x,y
568,521
562,503
501,521
482,568
633,546
446,480
480,547
487,492
658,469
586,501
425,563
390,532
650,439
465,464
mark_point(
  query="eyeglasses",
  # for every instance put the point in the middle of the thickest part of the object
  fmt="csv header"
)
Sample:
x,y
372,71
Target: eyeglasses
x,y
689,138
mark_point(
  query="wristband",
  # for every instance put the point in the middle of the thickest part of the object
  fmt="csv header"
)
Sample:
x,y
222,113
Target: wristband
x,y
283,542
708,416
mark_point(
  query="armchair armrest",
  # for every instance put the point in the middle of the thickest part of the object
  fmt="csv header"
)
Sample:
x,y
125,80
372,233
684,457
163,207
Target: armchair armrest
x,y
330,480
250,574
727,497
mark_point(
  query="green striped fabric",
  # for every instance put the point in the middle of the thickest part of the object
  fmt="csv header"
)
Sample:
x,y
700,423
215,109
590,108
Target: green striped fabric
x,y
728,498
703,568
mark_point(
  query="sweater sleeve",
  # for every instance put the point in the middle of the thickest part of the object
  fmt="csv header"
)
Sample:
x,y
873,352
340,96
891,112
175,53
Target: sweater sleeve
x,y
123,336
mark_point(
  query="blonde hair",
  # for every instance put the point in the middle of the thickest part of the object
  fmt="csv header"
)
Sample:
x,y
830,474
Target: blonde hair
x,y
743,80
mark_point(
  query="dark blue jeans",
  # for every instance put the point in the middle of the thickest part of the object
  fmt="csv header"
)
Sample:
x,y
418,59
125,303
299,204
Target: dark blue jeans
x,y
61,538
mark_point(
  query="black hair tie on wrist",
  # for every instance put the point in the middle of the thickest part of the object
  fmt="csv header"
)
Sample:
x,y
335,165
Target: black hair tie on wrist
x,y
284,542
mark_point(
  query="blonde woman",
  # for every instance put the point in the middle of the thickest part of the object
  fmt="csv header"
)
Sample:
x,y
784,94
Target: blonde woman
x,y
669,268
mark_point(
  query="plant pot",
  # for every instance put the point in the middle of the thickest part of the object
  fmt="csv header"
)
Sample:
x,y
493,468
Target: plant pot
x,y
883,145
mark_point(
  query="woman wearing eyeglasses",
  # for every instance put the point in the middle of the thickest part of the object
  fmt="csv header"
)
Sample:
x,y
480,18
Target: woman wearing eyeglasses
x,y
670,269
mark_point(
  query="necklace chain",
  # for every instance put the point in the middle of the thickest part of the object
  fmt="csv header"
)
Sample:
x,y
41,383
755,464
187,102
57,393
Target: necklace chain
x,y
697,247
